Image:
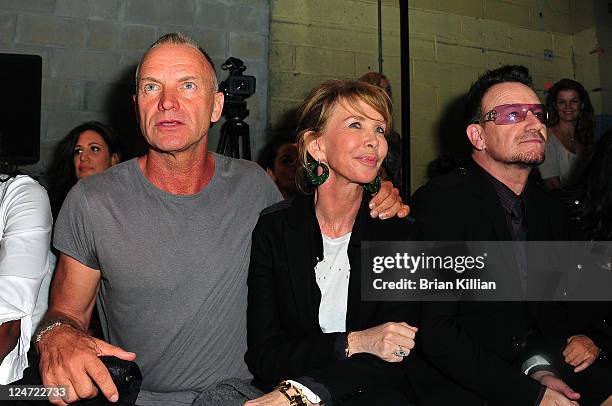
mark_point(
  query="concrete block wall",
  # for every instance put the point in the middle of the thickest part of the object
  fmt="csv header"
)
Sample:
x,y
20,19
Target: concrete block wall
x,y
90,49
451,43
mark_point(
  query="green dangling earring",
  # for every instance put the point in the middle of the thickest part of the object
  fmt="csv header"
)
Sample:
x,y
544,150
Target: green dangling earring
x,y
311,173
372,187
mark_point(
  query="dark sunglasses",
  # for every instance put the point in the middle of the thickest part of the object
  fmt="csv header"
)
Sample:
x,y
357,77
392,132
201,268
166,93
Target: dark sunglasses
x,y
514,113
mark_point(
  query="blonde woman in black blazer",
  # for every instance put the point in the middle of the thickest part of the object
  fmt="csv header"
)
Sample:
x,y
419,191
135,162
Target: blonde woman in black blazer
x,y
364,359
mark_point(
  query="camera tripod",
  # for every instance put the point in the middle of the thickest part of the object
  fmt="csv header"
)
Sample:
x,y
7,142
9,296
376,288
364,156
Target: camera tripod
x,y
235,129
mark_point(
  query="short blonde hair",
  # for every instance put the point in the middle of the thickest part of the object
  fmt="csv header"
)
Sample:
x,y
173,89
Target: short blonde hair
x,y
316,110
178,38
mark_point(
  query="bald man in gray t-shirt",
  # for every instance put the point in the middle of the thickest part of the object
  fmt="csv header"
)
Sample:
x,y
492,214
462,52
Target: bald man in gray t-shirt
x,y
173,267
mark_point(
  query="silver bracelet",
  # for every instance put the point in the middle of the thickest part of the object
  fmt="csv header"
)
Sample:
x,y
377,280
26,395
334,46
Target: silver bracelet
x,y
46,330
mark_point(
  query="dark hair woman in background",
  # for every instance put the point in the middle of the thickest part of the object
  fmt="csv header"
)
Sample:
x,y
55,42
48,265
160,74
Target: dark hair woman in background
x,y
279,158
570,131
87,149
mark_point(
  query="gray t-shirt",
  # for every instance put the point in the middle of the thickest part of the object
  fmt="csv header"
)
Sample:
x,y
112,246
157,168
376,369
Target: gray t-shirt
x,y
173,267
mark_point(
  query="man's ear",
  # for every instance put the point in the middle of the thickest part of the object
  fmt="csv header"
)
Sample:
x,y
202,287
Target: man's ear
x,y
218,99
314,146
475,134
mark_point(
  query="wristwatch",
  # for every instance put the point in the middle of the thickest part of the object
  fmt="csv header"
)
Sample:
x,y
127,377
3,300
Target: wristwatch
x,y
297,399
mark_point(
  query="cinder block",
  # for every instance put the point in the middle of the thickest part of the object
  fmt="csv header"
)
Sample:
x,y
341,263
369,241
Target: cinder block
x,y
323,61
249,19
516,14
562,6
392,68
282,57
366,62
439,24
422,97
257,104
472,8
65,94
248,46
39,6
555,21
294,33
531,41
59,122
129,60
460,54
346,39
422,47
495,59
423,126
563,67
97,95
108,9
587,71
291,10
278,109
212,15
471,31
47,30
495,34
177,12
109,35
294,86
392,43
562,45
397,117
360,14
7,27
391,17
444,74
252,3
421,4
425,149
582,15
446,95
90,65
585,41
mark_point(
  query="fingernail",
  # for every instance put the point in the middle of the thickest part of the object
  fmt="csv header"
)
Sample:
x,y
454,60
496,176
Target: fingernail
x,y
114,398
382,216
374,214
371,205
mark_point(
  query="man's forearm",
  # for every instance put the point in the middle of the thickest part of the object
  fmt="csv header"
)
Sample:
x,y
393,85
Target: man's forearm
x,y
9,335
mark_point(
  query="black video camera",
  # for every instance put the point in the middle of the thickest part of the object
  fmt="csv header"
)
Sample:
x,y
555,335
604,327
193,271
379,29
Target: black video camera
x,y
237,86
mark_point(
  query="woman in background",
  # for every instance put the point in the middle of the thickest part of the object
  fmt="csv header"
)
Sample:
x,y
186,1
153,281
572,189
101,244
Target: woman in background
x,y
279,158
87,149
570,131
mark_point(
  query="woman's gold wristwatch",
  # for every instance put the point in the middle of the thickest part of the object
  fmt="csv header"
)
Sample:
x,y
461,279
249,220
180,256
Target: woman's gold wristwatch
x,y
297,399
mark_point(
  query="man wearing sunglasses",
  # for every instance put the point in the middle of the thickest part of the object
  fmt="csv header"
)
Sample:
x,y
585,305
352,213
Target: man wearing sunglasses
x,y
492,352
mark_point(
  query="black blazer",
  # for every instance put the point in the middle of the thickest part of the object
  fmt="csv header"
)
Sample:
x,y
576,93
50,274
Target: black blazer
x,y
284,337
477,347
